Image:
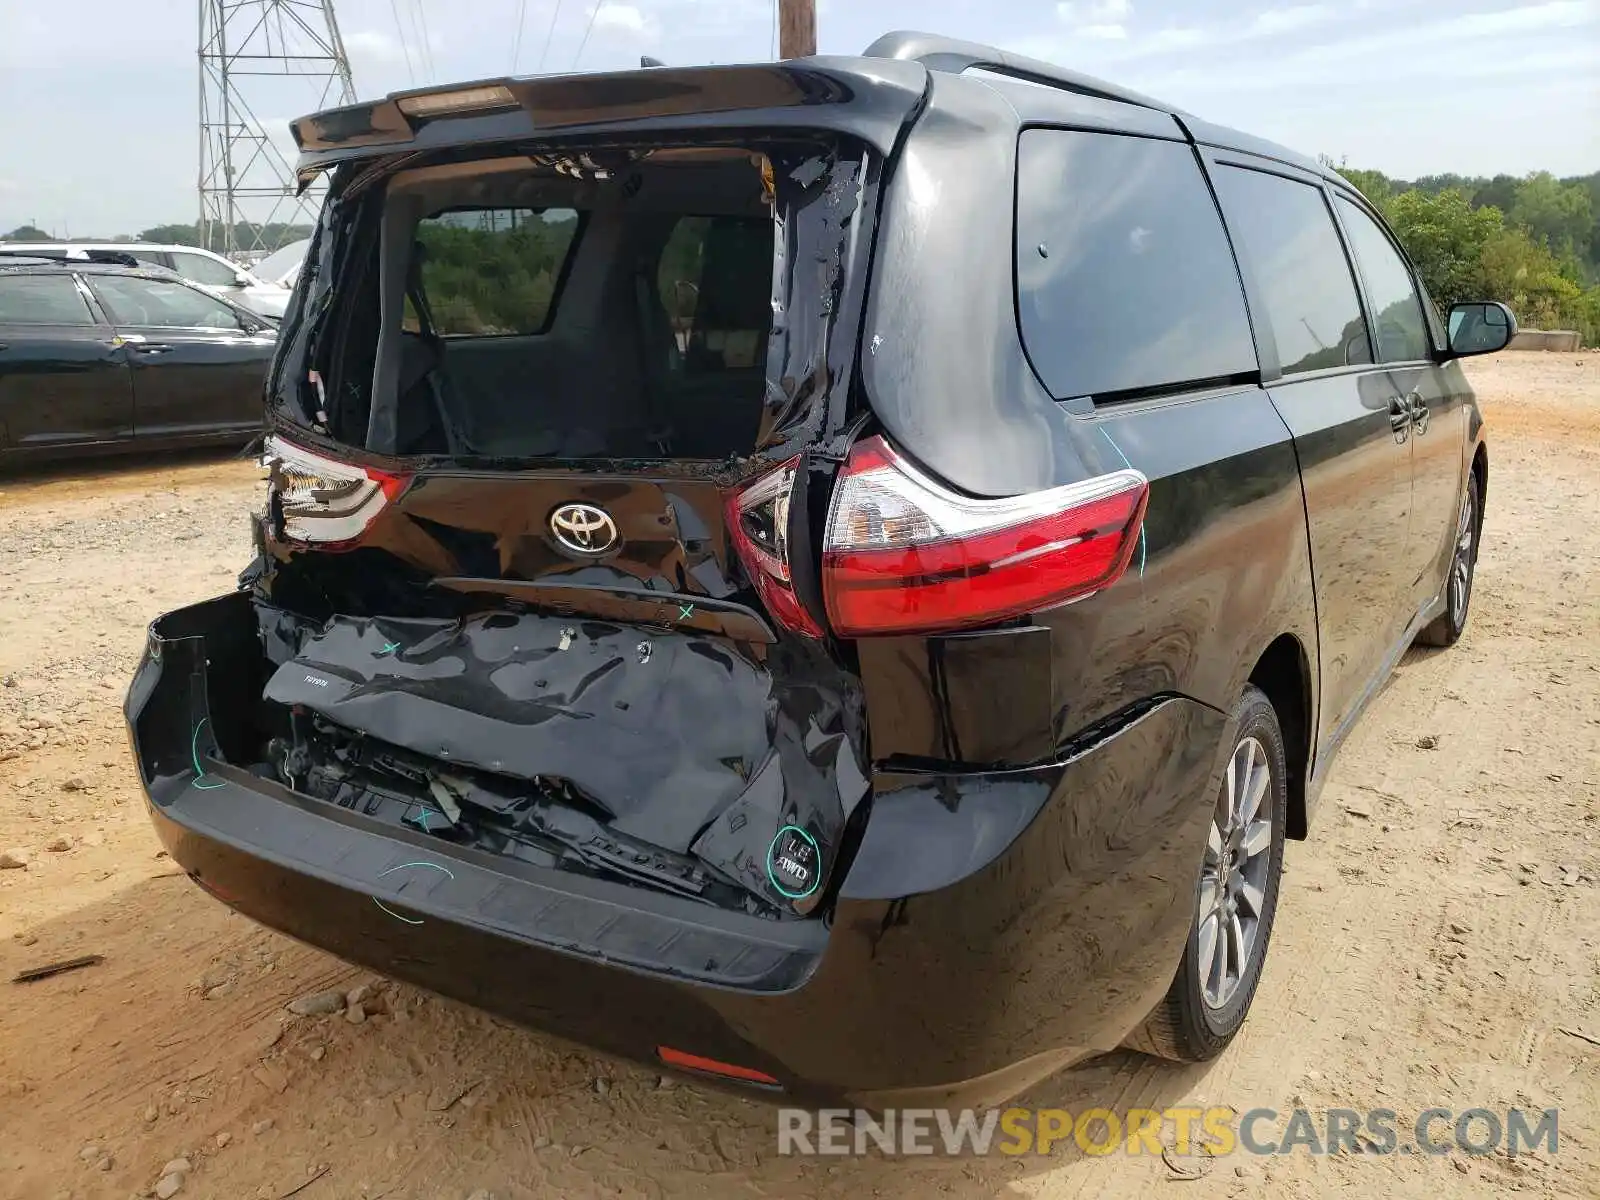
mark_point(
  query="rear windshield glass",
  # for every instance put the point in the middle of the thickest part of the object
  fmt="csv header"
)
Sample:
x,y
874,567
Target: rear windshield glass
x,y
528,308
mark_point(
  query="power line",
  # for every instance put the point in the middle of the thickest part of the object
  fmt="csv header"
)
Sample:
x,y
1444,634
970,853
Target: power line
x,y
516,45
405,48
548,34
588,29
427,39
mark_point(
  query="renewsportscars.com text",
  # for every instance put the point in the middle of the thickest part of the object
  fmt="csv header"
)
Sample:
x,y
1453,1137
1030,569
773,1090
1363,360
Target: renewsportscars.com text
x,y
1214,1131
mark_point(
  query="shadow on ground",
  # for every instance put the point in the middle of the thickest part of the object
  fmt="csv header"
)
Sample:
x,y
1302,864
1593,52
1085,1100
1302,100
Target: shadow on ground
x,y
181,1035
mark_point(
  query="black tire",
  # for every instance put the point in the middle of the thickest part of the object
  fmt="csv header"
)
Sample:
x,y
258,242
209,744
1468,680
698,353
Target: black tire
x,y
1446,629
1185,1026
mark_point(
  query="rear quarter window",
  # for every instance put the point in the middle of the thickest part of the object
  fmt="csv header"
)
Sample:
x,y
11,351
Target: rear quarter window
x,y
1125,280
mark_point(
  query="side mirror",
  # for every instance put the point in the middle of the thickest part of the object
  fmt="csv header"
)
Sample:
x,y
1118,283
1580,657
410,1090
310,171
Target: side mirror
x,y
241,280
1480,327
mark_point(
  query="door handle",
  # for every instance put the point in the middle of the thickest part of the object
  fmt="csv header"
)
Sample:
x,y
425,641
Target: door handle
x,y
1420,413
1399,418
151,347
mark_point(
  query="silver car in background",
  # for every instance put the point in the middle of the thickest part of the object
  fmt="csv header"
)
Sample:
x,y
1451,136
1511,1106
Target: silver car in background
x,y
210,271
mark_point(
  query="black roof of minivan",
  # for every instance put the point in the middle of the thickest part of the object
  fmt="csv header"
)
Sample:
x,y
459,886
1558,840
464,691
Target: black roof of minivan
x,y
869,96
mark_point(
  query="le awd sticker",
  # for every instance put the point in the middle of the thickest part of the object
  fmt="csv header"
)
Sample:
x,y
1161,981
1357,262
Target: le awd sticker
x,y
794,863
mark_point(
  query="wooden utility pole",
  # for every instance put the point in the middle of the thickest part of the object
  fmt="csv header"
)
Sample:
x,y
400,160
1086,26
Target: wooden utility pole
x,y
797,28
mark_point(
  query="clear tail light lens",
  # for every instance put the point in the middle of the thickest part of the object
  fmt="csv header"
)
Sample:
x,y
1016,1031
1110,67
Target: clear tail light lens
x,y
757,517
323,500
904,554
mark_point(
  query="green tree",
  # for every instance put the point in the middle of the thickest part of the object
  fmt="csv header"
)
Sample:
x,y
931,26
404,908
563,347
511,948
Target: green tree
x,y
1434,184
26,233
1374,185
1499,192
1446,237
1559,214
172,235
1523,273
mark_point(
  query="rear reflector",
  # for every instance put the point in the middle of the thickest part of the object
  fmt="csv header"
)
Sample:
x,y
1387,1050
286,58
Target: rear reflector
x,y
710,1066
904,554
323,500
757,518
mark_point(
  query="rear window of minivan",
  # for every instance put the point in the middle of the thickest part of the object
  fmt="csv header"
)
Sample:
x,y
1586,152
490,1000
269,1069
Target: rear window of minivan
x,y
516,308
1125,280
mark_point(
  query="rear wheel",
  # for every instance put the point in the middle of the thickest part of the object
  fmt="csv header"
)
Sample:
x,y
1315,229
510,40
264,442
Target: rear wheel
x,y
1447,627
1236,898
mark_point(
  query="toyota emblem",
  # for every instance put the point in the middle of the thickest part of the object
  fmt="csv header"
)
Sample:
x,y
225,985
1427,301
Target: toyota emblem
x,y
583,528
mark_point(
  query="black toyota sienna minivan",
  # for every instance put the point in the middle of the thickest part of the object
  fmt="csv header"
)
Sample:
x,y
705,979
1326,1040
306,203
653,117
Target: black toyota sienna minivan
x,y
837,575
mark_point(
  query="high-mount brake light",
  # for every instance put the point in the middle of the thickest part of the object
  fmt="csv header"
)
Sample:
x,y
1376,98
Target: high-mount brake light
x,y
758,523
453,103
905,554
325,501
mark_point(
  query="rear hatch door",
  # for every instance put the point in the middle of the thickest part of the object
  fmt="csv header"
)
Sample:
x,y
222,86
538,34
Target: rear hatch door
x,y
567,613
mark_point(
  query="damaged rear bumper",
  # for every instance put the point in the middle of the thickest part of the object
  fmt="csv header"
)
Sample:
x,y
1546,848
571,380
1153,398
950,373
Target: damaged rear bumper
x,y
992,928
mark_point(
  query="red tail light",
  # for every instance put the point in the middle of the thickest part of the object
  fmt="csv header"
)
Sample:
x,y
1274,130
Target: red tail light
x,y
904,554
322,499
758,524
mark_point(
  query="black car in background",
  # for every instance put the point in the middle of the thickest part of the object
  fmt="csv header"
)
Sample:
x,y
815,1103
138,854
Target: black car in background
x,y
98,357
837,575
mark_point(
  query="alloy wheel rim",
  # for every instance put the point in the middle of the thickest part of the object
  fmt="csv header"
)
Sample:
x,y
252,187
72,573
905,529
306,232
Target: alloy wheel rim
x,y
1233,880
1461,567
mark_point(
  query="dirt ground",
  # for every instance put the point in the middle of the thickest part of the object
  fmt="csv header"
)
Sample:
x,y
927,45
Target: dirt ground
x,y
1437,944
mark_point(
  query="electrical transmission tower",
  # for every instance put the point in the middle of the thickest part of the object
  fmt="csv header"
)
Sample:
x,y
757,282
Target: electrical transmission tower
x,y
262,62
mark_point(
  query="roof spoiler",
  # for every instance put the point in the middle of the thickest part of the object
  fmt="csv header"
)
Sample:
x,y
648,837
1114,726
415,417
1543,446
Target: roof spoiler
x,y
866,98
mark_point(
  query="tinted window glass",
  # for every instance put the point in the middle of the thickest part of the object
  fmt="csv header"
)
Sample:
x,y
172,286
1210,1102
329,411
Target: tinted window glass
x,y
715,283
201,269
1402,333
1124,277
135,301
1285,231
42,300
490,272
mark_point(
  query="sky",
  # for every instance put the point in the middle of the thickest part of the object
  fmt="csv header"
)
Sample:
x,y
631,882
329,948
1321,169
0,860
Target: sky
x,y
100,135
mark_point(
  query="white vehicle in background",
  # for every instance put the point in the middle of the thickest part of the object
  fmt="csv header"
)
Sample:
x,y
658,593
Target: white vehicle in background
x,y
210,271
282,267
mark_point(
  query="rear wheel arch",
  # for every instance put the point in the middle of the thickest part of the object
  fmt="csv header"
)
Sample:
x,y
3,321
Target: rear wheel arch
x,y
1283,672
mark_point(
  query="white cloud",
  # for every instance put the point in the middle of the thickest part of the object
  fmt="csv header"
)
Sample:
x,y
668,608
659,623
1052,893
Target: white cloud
x,y
1094,13
1098,20
374,46
1286,20
1476,45
623,19
1178,37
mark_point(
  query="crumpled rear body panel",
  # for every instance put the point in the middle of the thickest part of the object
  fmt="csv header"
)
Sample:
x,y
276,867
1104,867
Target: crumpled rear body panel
x,y
681,738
